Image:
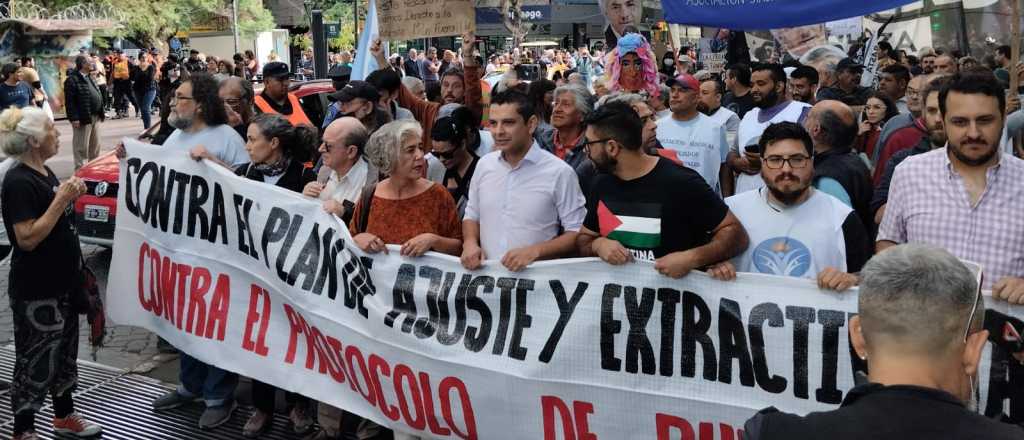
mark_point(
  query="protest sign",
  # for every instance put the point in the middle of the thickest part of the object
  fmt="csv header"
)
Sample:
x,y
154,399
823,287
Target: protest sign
x,y
410,19
710,60
262,282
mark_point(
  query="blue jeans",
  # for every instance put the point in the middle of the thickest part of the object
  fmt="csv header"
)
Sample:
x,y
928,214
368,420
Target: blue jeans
x,y
145,105
197,378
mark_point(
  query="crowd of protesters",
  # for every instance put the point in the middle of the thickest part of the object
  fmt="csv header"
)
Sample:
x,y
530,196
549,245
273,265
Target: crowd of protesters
x,y
791,170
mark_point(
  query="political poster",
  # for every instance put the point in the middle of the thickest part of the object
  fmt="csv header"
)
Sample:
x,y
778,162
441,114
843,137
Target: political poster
x,y
261,281
411,19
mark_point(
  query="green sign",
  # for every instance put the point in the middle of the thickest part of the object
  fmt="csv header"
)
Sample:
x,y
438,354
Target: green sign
x,y
333,30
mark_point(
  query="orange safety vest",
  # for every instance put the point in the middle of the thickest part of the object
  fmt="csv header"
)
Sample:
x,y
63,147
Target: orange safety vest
x,y
298,117
121,69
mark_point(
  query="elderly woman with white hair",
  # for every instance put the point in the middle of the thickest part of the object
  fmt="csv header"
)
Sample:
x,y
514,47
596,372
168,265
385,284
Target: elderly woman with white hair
x,y
45,270
405,208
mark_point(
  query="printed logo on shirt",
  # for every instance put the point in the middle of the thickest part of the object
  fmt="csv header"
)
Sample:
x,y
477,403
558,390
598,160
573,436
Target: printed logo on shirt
x,y
636,225
784,256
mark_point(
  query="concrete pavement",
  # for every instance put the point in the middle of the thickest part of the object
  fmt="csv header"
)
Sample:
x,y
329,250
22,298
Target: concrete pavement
x,y
111,131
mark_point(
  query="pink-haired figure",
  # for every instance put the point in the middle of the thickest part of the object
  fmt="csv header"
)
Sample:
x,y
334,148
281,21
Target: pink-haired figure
x,y
632,67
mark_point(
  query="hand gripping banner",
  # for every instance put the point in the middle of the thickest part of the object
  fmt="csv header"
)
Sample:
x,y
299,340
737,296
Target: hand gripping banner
x,y
261,281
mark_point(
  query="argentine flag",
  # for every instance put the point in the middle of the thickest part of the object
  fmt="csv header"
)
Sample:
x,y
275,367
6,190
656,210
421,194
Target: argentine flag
x,y
364,63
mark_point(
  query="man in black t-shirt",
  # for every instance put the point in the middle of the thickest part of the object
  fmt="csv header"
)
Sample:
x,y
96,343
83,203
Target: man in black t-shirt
x,y
738,99
644,207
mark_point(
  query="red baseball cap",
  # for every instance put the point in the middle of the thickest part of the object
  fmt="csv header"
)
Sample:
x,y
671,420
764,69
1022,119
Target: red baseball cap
x,y
685,81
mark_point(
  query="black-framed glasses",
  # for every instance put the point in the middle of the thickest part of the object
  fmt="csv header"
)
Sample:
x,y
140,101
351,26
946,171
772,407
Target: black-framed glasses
x,y
176,98
586,145
776,162
648,118
233,102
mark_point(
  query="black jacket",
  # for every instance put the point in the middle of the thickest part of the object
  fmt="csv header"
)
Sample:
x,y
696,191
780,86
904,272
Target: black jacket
x,y
294,178
412,68
843,165
82,98
877,412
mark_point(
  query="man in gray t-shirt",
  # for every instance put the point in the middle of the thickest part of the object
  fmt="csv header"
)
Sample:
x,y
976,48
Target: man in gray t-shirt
x,y
203,132
200,119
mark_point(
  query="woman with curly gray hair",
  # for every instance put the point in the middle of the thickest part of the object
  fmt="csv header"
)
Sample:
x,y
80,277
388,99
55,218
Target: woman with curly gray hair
x,y
45,269
405,208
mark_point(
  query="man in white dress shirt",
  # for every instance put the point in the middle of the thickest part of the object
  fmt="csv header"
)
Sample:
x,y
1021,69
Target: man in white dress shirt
x,y
345,171
525,204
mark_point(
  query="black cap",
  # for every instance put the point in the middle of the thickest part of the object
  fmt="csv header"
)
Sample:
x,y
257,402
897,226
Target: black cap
x,y
195,51
849,64
356,89
276,69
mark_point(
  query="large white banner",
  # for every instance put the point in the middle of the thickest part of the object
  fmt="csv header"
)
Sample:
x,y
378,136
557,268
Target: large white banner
x,y
261,281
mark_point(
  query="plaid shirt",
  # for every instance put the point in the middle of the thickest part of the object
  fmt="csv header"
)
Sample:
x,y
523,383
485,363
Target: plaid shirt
x,y
928,203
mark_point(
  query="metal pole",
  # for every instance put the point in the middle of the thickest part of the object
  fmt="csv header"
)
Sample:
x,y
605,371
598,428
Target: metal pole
x,y
234,22
319,44
355,15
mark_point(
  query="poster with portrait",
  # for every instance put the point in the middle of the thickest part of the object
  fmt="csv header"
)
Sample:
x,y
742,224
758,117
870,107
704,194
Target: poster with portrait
x,y
798,41
619,14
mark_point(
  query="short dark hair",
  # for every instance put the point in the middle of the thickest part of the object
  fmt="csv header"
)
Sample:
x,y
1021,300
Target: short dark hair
x,y
974,83
385,79
523,105
358,137
1004,50
81,61
454,71
777,72
898,71
204,92
25,60
719,87
617,120
741,72
837,133
934,86
457,128
805,72
297,141
785,130
9,69
887,48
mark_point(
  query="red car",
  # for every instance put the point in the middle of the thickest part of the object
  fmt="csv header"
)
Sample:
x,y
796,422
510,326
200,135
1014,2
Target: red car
x,y
96,210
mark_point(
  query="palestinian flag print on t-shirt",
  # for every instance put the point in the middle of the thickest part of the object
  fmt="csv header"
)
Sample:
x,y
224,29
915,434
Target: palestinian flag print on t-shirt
x,y
635,225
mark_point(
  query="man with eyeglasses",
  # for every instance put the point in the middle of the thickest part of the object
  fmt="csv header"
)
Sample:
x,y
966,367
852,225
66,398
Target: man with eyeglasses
x,y
237,94
905,130
647,208
795,230
199,117
919,327
345,171
698,141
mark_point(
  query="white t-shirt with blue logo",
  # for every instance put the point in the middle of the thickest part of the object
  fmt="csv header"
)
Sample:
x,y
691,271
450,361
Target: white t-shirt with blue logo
x,y
796,241
700,144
